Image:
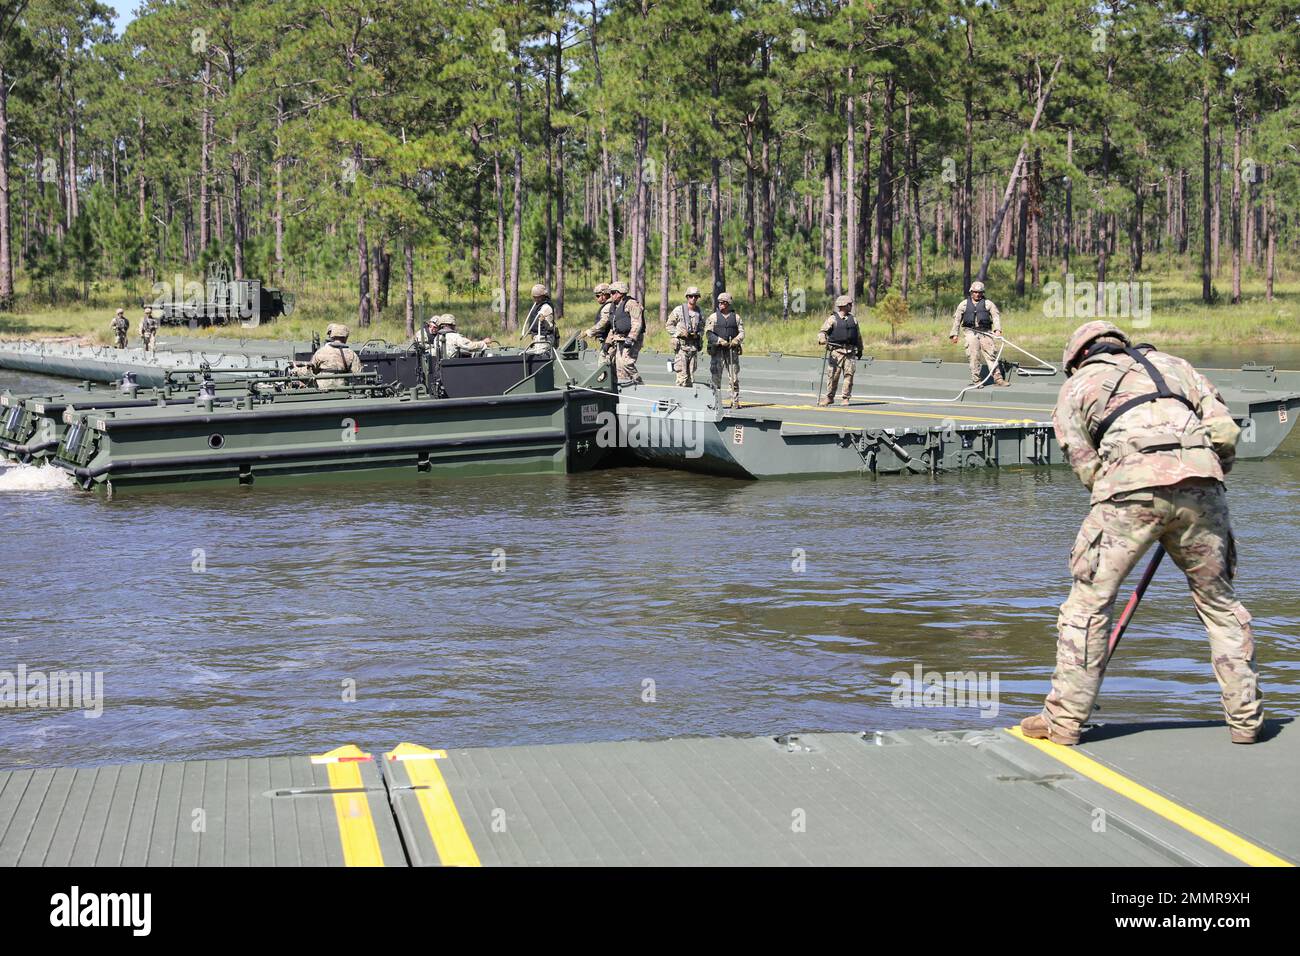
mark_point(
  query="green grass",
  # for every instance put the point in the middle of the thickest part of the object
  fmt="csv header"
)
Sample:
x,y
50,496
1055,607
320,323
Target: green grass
x,y
1178,317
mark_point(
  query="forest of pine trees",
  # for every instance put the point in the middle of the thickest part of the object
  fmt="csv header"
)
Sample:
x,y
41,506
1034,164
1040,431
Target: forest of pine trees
x,y
759,142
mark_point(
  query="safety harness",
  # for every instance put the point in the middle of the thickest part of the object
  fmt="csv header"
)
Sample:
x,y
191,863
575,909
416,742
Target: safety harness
x,y
1139,358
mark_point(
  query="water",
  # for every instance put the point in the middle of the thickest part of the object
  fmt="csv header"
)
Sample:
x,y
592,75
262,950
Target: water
x,y
632,604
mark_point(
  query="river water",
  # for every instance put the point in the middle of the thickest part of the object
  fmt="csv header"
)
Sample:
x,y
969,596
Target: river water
x,y
629,603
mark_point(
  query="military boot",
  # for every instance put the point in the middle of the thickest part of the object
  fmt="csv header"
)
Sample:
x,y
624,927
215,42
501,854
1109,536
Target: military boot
x,y
844,401
1243,736
1038,728
823,401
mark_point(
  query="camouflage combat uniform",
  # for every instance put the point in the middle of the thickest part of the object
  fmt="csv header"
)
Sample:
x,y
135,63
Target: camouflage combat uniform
x,y
121,326
334,358
686,329
725,357
1155,475
843,338
981,343
600,331
148,331
541,326
626,333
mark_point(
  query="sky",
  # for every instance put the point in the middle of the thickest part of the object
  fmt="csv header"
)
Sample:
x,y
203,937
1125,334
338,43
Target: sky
x,y
125,13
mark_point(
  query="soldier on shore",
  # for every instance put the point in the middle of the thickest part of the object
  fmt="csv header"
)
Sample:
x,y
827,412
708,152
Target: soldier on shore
x,y
335,357
686,329
842,338
540,323
121,326
626,332
148,329
725,333
981,323
1151,438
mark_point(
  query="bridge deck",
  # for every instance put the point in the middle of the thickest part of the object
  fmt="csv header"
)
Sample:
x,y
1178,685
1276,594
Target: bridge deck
x,y
1137,795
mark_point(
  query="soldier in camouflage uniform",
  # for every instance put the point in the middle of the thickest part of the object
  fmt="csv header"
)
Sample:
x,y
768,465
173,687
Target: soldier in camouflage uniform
x,y
148,329
725,333
440,333
332,358
121,326
626,332
1152,439
842,338
981,322
600,330
686,329
540,323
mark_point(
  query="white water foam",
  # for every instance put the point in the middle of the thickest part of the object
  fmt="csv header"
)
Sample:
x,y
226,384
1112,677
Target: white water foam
x,y
43,477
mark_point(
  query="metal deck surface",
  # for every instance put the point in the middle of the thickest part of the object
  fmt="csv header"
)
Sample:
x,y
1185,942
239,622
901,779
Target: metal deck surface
x,y
1137,795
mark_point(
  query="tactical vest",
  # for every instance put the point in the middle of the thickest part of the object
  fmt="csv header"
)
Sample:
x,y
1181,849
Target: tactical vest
x,y
726,326
977,316
1163,391
845,331
533,321
621,320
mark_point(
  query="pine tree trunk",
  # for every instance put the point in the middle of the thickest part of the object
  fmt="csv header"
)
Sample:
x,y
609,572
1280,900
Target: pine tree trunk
x,y
6,239
1206,290
558,291
516,215
665,226
1234,210
850,191
408,271
205,162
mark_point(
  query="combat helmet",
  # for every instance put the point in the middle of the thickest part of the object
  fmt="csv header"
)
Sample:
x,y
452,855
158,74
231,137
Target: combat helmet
x,y
337,330
724,297
843,301
976,286
540,291
602,288
693,290
446,319
1084,336
620,287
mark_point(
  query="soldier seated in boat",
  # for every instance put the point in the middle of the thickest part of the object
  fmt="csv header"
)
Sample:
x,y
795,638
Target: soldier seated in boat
x,y
333,358
440,334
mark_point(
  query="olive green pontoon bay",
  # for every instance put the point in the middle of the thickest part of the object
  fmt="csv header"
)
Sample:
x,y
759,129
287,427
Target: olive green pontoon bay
x,y
225,411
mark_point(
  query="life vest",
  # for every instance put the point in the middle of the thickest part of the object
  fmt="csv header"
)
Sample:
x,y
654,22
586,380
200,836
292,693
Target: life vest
x,y
977,316
1163,391
845,331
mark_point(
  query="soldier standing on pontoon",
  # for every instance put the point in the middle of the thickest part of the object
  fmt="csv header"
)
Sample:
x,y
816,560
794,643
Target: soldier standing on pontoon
x,y
1150,437
981,323
686,329
843,341
600,329
540,323
725,333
